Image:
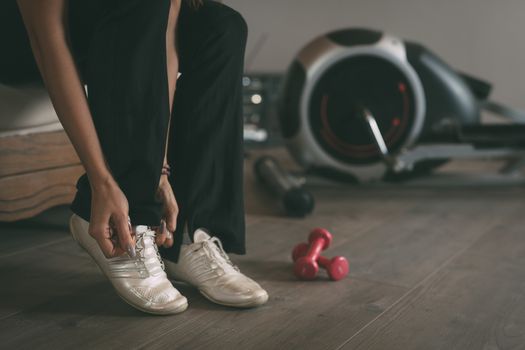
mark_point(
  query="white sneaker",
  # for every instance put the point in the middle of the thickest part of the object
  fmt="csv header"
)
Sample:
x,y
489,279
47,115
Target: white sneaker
x,y
205,265
140,281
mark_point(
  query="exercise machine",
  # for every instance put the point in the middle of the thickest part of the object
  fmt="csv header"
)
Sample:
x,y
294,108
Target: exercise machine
x,y
359,104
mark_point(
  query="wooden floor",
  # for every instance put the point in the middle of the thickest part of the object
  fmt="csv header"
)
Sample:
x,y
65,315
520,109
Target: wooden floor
x,y
438,263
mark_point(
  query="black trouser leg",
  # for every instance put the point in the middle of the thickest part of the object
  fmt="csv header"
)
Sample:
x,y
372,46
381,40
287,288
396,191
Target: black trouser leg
x,y
121,51
128,97
205,147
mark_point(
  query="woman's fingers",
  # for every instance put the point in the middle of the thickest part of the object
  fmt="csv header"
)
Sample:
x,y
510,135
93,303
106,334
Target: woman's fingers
x,y
164,237
111,246
171,225
107,247
101,232
169,222
125,239
109,223
160,237
169,239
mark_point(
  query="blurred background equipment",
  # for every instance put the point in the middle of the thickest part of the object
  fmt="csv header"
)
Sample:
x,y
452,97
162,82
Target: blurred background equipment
x,y
295,199
367,104
260,95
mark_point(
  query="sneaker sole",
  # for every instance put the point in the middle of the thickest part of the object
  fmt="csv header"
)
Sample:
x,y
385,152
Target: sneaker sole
x,y
246,305
250,304
176,310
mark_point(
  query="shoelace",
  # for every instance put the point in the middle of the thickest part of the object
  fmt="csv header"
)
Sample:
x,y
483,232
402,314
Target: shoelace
x,y
214,251
140,248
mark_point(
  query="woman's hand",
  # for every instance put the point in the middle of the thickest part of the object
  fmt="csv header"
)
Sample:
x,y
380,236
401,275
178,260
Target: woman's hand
x,y
170,212
109,224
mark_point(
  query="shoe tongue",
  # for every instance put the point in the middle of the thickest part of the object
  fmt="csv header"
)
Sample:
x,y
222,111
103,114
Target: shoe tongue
x,y
200,235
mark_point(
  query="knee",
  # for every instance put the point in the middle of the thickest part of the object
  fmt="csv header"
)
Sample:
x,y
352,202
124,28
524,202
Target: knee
x,y
232,28
238,25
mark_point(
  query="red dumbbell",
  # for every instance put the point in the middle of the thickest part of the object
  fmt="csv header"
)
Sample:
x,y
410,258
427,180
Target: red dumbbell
x,y
337,267
300,250
306,266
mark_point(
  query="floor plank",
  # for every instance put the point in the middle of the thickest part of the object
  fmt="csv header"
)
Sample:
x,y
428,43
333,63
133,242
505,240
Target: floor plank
x,y
74,305
477,301
435,263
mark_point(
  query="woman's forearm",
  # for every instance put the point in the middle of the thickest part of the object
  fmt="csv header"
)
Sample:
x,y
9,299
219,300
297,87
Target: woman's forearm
x,y
46,26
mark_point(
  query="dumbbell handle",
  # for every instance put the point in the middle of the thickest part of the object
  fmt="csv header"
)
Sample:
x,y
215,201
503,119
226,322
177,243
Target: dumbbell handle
x,y
323,261
314,249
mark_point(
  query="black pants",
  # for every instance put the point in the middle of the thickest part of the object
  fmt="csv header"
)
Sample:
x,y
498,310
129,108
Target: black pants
x,y
120,50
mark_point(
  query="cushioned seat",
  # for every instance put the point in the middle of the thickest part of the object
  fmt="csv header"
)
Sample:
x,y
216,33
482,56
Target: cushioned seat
x,y
26,109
